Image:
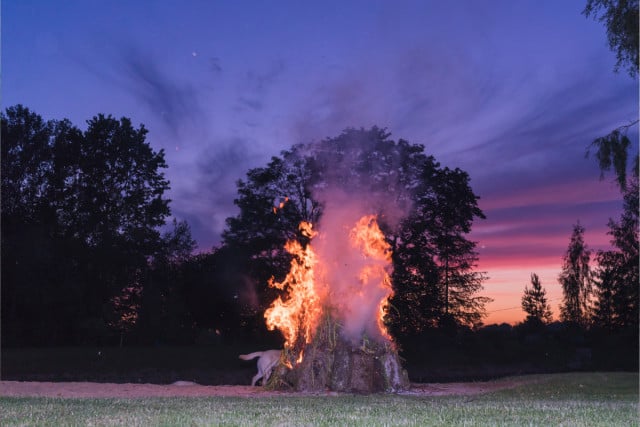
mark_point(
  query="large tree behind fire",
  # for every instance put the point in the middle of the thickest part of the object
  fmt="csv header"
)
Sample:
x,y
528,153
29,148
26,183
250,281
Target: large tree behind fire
x,y
575,279
434,265
272,202
424,210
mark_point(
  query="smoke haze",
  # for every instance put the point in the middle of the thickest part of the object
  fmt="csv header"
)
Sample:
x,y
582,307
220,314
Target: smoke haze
x,y
352,280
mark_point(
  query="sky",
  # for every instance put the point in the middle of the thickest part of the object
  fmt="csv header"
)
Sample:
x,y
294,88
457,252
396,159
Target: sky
x,y
512,92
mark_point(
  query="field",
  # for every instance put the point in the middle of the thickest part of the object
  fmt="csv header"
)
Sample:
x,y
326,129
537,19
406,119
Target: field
x,y
573,399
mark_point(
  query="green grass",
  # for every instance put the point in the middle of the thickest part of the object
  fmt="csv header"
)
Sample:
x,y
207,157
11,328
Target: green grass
x,y
585,399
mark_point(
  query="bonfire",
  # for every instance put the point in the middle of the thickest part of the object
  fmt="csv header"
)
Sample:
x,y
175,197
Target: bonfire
x,y
331,311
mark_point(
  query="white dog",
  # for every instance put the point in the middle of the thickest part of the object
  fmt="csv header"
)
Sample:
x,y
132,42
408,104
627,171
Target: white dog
x,y
268,360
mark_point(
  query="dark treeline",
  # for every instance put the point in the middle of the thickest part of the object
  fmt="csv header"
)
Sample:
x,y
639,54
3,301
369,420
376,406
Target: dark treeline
x,y
440,355
84,261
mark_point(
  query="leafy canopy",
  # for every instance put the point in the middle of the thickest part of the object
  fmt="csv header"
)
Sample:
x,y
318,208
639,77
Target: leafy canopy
x,y
424,210
621,20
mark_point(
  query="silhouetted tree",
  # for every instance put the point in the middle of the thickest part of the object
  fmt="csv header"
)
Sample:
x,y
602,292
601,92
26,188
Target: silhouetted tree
x,y
606,279
164,316
221,299
534,302
177,244
80,214
617,277
621,21
434,266
123,310
455,255
118,207
272,202
612,151
27,161
433,261
575,279
40,293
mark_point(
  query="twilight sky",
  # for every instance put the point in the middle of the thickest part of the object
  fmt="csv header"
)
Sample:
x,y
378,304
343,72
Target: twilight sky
x,y
512,92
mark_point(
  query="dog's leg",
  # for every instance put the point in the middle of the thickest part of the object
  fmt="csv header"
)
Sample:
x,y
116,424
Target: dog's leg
x,y
266,376
255,378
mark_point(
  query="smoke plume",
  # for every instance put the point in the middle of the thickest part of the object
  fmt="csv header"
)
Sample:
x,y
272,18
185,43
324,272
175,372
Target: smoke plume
x,y
354,283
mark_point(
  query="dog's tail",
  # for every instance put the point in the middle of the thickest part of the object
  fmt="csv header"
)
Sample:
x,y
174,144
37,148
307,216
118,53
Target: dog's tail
x,y
251,355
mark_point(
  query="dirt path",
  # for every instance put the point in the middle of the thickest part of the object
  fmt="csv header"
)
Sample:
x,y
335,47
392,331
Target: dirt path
x,y
188,389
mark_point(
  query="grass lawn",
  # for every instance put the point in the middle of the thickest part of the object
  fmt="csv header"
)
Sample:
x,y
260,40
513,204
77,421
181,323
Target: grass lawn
x,y
579,399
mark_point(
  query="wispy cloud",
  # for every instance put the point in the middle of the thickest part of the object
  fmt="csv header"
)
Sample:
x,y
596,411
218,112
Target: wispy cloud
x,y
208,200
255,86
174,103
177,104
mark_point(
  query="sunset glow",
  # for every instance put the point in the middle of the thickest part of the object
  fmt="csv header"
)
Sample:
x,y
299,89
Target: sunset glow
x,y
511,250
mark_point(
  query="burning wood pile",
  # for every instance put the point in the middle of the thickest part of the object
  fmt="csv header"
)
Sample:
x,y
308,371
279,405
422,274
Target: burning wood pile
x,y
332,308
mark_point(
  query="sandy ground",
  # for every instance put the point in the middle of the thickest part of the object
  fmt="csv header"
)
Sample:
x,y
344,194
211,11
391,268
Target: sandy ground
x,y
189,389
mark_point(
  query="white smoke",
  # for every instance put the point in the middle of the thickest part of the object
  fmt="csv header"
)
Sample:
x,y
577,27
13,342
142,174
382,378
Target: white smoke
x,y
353,295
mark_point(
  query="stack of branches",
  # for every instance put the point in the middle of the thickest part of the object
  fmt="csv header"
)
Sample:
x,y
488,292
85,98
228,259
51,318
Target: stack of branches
x,y
334,362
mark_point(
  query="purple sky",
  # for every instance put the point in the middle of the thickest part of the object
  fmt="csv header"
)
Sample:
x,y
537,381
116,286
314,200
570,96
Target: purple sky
x,y
510,91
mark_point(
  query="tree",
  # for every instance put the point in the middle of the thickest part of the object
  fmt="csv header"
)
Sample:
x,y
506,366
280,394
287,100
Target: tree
x,y
220,299
534,302
424,210
456,255
118,219
272,201
434,268
36,276
123,313
617,275
80,214
177,245
161,311
607,279
575,279
128,205
27,159
621,20
612,152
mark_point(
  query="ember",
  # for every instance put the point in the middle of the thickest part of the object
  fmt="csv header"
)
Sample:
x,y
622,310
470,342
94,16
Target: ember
x,y
332,312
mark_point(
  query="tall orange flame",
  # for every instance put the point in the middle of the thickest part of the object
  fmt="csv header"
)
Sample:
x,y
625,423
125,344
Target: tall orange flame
x,y
369,239
297,314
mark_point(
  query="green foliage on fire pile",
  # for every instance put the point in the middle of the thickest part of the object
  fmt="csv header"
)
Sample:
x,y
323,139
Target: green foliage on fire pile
x,y
333,362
